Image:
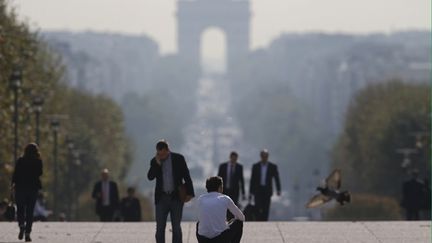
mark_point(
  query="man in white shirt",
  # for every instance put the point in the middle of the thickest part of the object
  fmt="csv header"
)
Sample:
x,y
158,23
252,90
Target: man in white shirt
x,y
212,208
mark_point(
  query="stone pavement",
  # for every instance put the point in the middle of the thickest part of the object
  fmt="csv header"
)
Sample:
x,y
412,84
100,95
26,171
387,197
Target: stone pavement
x,y
254,232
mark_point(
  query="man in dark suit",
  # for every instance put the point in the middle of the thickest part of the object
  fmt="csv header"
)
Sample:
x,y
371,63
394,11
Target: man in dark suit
x,y
170,171
130,207
412,193
232,176
261,185
105,192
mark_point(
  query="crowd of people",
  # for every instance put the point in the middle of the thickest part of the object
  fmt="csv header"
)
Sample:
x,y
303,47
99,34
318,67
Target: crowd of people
x,y
109,207
219,216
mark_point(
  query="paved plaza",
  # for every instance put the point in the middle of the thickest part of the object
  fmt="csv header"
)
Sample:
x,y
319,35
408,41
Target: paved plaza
x,y
269,232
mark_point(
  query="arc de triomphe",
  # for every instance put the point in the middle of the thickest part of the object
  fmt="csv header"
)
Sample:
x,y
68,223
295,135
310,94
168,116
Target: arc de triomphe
x,y
195,16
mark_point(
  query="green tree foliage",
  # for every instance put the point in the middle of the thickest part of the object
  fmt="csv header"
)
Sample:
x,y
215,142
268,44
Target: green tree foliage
x,y
366,207
94,123
381,119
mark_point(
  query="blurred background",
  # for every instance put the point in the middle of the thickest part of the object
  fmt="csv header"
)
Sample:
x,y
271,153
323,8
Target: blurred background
x,y
321,85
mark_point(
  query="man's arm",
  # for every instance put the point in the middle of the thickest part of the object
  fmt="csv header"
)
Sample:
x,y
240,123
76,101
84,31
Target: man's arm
x,y
116,194
242,186
276,176
238,214
187,178
220,171
155,170
96,192
252,182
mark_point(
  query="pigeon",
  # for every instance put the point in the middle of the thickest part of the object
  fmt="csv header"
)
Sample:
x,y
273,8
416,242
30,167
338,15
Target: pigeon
x,y
330,191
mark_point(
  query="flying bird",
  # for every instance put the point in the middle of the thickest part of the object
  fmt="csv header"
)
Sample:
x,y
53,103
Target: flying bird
x,y
330,191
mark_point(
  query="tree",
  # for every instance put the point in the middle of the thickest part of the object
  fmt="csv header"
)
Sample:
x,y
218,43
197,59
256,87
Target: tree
x,y
94,122
381,119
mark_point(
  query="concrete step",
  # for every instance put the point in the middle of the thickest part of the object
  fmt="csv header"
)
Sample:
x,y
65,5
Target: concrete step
x,y
254,232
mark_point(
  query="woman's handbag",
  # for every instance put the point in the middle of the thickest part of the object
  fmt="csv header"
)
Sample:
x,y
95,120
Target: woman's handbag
x,y
10,210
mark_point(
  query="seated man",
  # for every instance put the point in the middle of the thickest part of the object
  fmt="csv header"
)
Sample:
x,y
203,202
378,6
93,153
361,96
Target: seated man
x,y
212,208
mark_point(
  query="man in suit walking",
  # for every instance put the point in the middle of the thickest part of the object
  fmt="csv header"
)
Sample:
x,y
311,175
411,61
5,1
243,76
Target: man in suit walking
x,y
105,192
232,176
261,185
171,172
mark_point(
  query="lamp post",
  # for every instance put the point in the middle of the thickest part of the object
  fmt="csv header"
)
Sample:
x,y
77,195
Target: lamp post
x,y
77,162
55,126
37,105
71,146
423,148
406,152
15,84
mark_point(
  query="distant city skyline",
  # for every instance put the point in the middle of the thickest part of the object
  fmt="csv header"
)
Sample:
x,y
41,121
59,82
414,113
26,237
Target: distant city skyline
x,y
271,18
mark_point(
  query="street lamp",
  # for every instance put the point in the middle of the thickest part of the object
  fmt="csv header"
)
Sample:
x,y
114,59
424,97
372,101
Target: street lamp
x,y
71,148
406,152
77,162
55,126
15,84
37,105
422,146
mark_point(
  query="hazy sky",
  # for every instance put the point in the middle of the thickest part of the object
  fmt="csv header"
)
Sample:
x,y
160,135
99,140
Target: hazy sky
x,y
270,17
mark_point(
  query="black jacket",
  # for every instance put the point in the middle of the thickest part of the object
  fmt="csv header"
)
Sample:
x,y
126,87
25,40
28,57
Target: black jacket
x,y
237,181
413,193
26,174
272,172
130,209
114,195
180,173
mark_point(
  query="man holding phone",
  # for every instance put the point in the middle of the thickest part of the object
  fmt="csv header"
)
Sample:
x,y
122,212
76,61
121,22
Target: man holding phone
x,y
171,172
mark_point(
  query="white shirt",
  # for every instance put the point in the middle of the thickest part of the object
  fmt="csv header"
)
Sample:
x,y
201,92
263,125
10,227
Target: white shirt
x,y
263,173
212,208
105,193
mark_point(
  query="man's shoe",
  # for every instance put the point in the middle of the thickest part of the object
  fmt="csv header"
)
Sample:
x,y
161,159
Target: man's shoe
x,y
27,238
21,233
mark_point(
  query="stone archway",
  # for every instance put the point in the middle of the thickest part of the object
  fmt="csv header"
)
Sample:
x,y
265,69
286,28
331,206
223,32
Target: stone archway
x,y
231,16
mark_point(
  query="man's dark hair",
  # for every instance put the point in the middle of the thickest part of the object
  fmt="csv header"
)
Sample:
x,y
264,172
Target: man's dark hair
x,y
234,153
131,190
162,144
213,183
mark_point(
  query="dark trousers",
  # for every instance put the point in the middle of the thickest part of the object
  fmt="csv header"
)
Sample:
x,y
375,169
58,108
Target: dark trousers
x,y
262,204
25,200
234,195
174,207
106,213
232,235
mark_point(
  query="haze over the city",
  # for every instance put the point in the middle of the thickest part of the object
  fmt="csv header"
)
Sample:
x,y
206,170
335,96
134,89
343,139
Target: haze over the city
x,y
157,19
